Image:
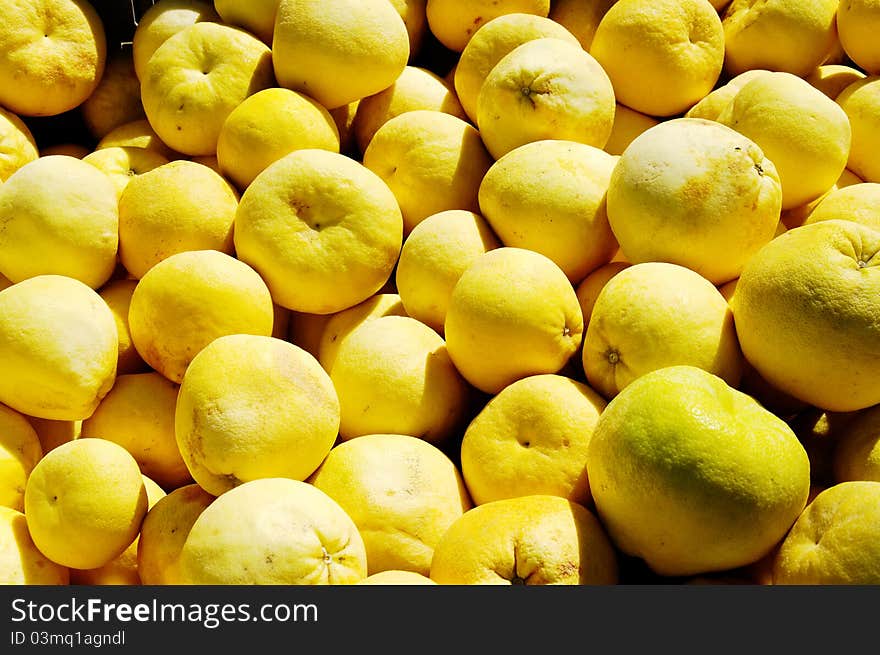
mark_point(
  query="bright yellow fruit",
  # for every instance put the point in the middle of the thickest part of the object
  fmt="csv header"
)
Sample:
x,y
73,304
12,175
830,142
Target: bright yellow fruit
x,y
628,124
84,503
343,323
137,134
117,294
580,17
52,55
176,207
58,348
546,88
455,23
858,22
530,540
396,578
695,193
857,202
189,299
831,79
123,163
338,52
255,16
323,230
59,217
433,258
712,104
661,56
196,78
591,286
549,196
856,453
693,476
21,562
162,20
513,313
401,492
20,450
861,103
805,309
835,541
117,98
17,145
273,531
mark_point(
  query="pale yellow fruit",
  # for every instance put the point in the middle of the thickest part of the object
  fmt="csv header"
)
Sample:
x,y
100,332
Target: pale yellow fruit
x,y
338,52
138,414
306,330
797,216
781,35
176,207
17,144
628,124
21,562
253,407
454,23
662,56
858,22
122,164
835,540
432,161
162,20
59,217
490,43
415,88
191,298
793,123
117,98
413,13
591,286
532,438
54,433
84,503
580,17
693,476
196,78
70,149
549,196
395,578
402,494
433,258
695,193
52,55
861,103
58,348
20,450
394,375
512,313
273,531
858,202
268,125
805,310
255,16
164,531
117,294
546,88
137,134
530,540
343,323
654,315
856,451
831,79
711,105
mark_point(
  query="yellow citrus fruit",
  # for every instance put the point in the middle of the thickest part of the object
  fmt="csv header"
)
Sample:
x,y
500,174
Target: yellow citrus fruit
x,y
395,578
196,78
857,202
59,217
693,476
191,298
20,450
21,562
137,134
433,258
835,540
58,348
455,23
432,161
662,56
546,88
512,313
268,125
273,531
53,433
164,531
529,540
580,17
340,52
712,104
857,24
413,13
591,286
797,216
84,503
257,17
856,450
323,230
117,98
831,79
532,438
52,55
628,124
175,207
117,294
343,323
861,103
805,310
253,407
394,375
122,163
695,193
17,144
138,414
162,20
402,494
652,315
549,196
782,35
491,42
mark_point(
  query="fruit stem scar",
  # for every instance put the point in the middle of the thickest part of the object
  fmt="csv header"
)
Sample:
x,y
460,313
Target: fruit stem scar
x,y
759,169
326,556
613,357
566,331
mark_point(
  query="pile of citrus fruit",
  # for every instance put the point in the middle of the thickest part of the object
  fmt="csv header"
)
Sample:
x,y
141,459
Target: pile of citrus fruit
x,y
439,292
